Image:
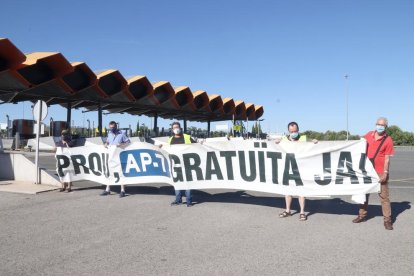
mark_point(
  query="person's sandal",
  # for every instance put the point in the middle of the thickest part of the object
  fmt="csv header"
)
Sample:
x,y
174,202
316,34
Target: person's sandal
x,y
302,217
284,214
63,188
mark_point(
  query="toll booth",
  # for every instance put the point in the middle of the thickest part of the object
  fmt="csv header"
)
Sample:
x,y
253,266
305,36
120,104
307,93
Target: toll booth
x,y
57,127
24,127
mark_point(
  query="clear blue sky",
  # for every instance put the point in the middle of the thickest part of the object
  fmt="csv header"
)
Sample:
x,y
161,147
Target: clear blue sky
x,y
289,56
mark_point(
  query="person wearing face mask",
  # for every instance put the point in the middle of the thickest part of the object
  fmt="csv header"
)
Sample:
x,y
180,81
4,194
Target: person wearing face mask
x,y
380,148
66,142
180,138
119,139
294,136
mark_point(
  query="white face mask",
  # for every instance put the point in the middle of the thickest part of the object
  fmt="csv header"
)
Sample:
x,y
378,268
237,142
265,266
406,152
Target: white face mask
x,y
294,135
177,131
380,129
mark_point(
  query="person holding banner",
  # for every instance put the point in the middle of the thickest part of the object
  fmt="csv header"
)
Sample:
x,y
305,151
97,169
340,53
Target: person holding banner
x,y
180,138
380,147
294,136
115,138
65,142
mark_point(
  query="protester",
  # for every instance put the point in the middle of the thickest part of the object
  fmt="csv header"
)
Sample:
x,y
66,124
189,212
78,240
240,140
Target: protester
x,y
180,138
294,136
66,142
119,139
380,148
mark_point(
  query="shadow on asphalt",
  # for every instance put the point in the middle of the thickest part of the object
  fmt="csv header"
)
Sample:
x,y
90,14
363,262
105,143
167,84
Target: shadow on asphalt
x,y
334,206
338,206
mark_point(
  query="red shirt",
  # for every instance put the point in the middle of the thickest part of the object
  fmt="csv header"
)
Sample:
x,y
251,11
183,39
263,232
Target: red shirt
x,y
387,148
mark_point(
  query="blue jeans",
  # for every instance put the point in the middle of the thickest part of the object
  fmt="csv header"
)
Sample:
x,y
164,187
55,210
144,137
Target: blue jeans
x,y
178,196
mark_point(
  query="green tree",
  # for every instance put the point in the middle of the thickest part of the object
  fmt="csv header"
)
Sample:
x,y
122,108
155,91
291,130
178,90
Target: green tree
x,y
400,137
256,128
329,135
396,134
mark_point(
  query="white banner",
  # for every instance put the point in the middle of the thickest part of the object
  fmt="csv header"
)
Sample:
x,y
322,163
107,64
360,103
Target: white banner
x,y
305,169
139,163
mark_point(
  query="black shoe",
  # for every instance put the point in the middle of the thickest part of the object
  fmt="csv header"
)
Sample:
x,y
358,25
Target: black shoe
x,y
359,219
122,194
175,203
388,225
189,204
105,193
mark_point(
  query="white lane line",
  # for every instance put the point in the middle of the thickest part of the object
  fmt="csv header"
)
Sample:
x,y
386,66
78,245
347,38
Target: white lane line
x,y
410,182
401,180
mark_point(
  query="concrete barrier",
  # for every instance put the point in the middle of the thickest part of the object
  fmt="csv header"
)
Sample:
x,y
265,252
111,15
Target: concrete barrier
x,y
45,143
137,139
95,141
49,143
7,143
16,166
159,140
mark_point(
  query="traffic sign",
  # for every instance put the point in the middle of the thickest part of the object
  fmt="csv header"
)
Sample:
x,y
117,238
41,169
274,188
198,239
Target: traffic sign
x,y
40,115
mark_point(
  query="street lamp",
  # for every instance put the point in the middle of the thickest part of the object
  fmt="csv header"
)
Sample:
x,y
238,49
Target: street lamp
x,y
89,127
7,126
259,127
347,105
51,130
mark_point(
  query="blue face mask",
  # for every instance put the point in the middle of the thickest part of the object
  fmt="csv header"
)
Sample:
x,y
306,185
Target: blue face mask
x,y
114,130
294,135
380,129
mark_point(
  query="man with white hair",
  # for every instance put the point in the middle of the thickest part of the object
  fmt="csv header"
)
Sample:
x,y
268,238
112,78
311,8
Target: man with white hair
x,y
380,148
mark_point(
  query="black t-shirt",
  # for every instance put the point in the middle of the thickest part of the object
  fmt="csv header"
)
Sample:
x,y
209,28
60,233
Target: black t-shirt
x,y
68,140
179,140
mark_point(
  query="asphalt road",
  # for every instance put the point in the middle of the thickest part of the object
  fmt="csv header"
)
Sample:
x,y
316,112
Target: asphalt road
x,y
225,233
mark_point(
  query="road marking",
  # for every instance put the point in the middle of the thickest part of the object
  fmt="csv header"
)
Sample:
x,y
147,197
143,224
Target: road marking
x,y
411,182
401,180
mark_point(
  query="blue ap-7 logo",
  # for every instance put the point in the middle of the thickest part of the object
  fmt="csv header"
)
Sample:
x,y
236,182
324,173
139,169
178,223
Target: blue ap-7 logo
x,y
143,162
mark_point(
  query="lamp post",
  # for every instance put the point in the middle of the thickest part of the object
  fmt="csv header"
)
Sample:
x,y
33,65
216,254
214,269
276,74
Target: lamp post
x,y
347,105
247,127
51,130
259,127
7,126
89,127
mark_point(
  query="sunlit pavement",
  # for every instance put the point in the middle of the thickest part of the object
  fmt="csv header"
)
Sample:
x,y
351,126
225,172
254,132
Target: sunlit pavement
x,y
226,232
